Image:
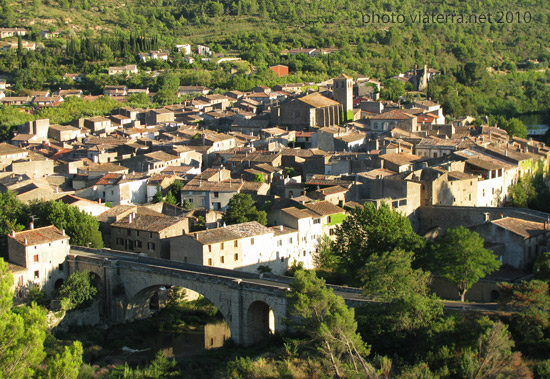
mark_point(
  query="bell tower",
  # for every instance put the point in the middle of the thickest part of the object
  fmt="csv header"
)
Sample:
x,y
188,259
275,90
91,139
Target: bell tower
x,y
342,91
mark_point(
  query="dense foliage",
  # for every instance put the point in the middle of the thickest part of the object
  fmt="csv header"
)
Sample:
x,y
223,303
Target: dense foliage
x,y
459,256
241,209
76,290
16,215
23,332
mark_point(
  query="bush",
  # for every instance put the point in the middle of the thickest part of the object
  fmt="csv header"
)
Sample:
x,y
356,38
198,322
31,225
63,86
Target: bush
x,y
77,290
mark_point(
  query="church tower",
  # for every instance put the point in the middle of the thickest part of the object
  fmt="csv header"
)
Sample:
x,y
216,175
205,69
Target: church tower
x,y
342,91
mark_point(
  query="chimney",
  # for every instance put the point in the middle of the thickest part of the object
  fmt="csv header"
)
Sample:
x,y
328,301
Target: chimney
x,y
31,225
99,200
487,216
281,228
26,241
196,235
13,233
220,175
130,218
62,231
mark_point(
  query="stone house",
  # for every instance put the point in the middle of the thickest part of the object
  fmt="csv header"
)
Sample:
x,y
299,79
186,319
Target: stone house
x,y
396,118
517,242
98,124
147,234
37,257
125,70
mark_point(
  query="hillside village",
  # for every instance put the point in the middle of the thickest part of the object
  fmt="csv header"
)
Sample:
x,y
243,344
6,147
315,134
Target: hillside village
x,y
305,156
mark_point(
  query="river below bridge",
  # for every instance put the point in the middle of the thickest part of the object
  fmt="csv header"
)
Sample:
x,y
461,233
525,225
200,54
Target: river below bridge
x,y
142,347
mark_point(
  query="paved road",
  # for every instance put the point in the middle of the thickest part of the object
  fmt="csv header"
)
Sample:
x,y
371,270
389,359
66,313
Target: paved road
x,y
268,280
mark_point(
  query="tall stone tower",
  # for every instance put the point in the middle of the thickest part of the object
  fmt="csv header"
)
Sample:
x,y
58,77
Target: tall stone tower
x,y
342,91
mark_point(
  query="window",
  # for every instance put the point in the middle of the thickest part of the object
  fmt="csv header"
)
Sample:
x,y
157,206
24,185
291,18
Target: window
x,y
282,259
185,259
137,233
236,256
216,194
129,232
290,240
150,246
36,274
222,259
61,267
329,219
331,232
304,253
236,243
252,241
35,258
138,244
150,235
316,220
209,261
209,248
221,246
280,243
119,241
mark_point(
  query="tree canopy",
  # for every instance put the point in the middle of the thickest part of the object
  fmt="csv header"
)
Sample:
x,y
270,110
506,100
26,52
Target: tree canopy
x,y
328,322
23,332
241,208
459,256
369,230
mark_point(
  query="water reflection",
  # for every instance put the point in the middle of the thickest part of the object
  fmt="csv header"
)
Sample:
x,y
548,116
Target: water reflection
x,y
182,344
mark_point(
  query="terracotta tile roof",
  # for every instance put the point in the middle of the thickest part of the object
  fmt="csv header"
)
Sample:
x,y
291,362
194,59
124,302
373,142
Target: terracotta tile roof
x,y
317,100
231,232
39,236
393,115
524,228
332,190
280,230
147,223
206,186
401,158
324,208
300,213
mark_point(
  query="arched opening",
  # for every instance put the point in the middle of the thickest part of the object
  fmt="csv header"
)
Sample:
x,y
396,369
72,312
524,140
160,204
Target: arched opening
x,y
494,295
58,284
96,281
192,322
260,322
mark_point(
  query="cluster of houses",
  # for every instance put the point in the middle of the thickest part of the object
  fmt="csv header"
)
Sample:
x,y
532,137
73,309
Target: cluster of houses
x,y
310,155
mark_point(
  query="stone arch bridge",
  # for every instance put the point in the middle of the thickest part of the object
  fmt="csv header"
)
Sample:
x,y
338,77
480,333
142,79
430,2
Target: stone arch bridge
x,y
252,305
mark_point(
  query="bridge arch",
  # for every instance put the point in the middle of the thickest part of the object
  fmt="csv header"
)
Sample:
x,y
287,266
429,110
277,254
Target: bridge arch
x,y
260,322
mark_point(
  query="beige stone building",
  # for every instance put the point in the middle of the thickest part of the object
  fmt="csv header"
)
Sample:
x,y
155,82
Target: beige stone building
x,y
147,234
37,258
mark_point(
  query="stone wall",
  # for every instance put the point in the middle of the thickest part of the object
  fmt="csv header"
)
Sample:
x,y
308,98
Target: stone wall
x,y
450,217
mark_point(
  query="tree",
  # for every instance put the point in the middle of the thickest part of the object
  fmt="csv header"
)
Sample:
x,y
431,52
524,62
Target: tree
x,y
170,199
80,226
369,230
521,193
67,364
531,300
493,357
77,289
175,190
22,335
328,322
325,258
459,256
12,217
259,178
390,275
541,267
241,209
158,198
